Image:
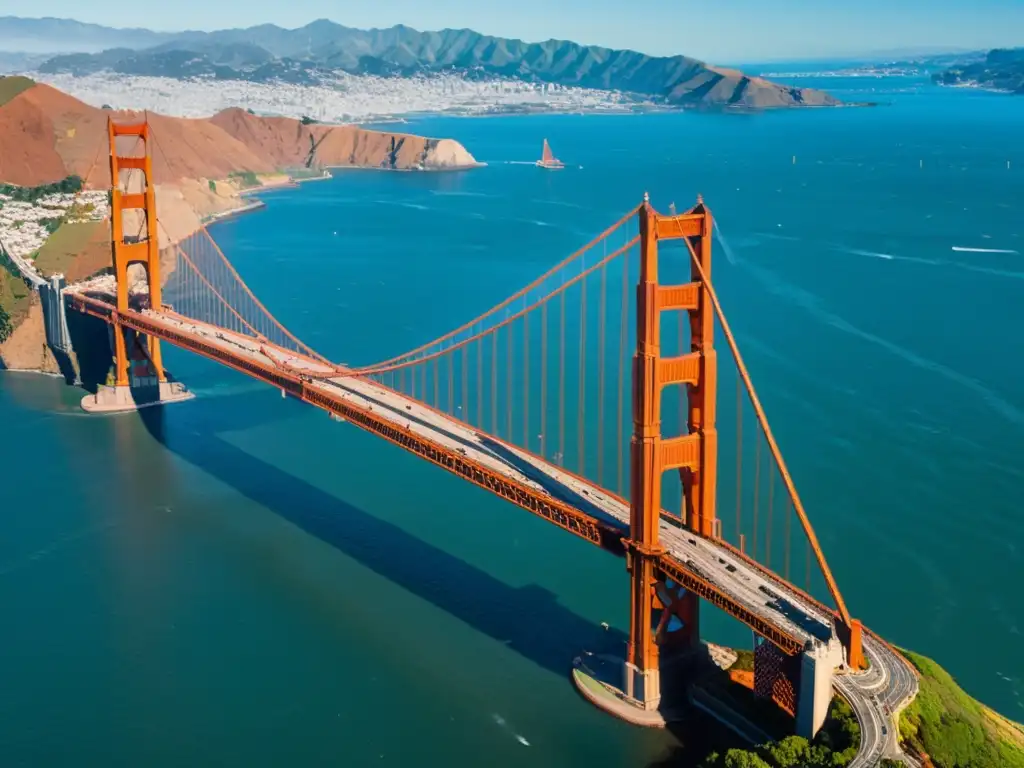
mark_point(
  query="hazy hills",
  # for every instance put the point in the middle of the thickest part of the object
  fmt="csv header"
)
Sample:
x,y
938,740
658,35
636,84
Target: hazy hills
x,y
1002,69
311,53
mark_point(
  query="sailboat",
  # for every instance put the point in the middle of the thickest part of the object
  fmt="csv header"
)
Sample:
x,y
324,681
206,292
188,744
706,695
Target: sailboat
x,y
548,159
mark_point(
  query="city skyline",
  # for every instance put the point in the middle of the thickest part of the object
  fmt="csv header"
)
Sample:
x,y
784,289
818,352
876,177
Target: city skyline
x,y
733,31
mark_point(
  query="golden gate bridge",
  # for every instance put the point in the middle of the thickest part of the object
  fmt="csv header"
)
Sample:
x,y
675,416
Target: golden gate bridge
x,y
590,398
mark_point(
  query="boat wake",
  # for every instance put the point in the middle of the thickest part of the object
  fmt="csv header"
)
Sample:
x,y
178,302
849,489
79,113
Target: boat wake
x,y
887,256
500,721
872,254
964,249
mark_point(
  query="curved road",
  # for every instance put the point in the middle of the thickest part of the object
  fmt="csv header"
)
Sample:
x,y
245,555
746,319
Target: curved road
x,y
875,695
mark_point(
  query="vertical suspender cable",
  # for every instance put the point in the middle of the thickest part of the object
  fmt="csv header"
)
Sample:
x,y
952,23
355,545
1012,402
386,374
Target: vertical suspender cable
x,y
494,381
580,424
600,375
437,386
768,528
561,386
480,384
543,374
757,484
526,381
739,456
451,381
465,384
508,377
623,326
789,539
807,576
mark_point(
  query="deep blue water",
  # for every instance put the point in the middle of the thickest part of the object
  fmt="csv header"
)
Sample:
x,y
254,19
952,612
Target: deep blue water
x,y
242,581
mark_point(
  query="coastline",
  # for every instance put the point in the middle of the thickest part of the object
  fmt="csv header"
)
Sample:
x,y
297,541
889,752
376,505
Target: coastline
x,y
438,169
290,183
34,371
255,205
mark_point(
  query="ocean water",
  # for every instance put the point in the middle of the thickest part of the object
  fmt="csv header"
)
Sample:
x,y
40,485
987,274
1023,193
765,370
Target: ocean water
x,y
240,581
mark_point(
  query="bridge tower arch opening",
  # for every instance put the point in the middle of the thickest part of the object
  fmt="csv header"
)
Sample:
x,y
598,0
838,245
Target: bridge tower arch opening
x,y
133,202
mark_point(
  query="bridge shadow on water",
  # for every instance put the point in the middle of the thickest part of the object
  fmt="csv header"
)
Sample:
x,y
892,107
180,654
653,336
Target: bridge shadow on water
x,y
528,620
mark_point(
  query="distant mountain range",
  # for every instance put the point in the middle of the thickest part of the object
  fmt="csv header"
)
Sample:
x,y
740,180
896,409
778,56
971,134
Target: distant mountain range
x,y
1002,69
311,54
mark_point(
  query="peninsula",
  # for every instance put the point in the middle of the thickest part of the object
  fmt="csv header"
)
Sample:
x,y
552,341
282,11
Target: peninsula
x,y
1001,70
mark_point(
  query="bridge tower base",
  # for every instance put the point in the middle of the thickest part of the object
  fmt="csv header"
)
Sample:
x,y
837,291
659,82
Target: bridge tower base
x,y
137,385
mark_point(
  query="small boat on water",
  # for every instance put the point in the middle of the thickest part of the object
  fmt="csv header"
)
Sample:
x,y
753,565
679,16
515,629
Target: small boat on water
x,y
548,159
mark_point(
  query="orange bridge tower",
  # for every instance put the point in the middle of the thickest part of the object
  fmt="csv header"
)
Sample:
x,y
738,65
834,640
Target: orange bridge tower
x,y
139,377
693,454
664,614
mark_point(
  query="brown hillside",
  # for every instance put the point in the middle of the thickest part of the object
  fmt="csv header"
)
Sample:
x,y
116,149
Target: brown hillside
x,y
77,136
280,140
182,148
287,143
46,134
27,151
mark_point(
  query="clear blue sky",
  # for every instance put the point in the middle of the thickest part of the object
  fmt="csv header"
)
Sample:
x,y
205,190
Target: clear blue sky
x,y
724,31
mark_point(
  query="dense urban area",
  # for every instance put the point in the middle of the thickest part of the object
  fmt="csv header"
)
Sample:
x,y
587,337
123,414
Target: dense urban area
x,y
351,98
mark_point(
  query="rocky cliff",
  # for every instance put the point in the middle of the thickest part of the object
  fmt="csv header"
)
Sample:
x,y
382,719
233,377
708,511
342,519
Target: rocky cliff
x,y
289,143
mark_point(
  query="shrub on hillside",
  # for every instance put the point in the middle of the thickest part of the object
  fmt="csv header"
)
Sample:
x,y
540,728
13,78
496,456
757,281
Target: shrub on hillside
x,y
6,326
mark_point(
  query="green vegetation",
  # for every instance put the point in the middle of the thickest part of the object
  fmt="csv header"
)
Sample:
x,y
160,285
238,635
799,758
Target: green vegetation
x,y
744,660
12,86
70,185
297,173
307,120
954,729
835,746
213,185
245,179
64,245
6,326
14,297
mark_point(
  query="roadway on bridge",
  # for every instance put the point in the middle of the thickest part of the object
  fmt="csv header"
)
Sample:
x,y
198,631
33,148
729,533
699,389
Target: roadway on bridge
x,y
875,695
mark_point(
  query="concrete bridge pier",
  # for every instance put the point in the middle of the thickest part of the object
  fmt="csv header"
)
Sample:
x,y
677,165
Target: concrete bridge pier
x,y
142,385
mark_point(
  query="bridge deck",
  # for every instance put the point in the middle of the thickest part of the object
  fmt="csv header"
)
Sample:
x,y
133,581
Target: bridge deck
x,y
777,611
732,577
